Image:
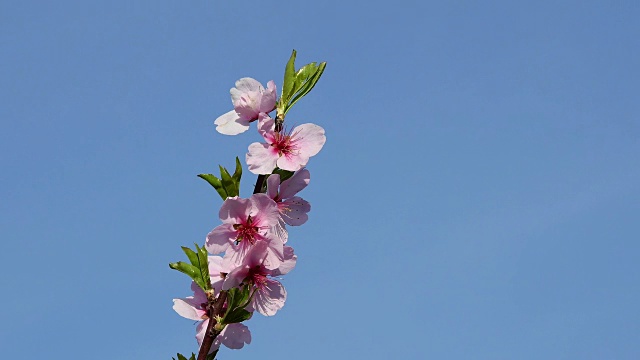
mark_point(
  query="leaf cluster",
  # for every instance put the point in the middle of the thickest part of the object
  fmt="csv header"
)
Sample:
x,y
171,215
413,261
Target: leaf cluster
x,y
193,356
297,83
237,301
227,185
198,270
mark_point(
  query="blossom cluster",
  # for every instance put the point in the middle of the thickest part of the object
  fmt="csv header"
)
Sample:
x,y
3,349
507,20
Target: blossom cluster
x,y
249,249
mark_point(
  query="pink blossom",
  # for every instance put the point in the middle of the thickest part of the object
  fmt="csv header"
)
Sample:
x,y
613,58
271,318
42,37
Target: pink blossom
x,y
289,151
233,336
270,295
246,222
293,209
249,100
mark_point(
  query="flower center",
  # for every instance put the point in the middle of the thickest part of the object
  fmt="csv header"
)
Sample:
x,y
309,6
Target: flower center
x,y
246,231
284,144
257,276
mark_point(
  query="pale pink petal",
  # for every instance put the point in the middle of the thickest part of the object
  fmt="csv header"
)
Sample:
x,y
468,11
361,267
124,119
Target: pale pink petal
x,y
275,254
219,239
198,297
185,309
235,277
281,230
234,336
235,210
216,267
293,185
236,253
270,298
293,161
248,107
266,127
294,212
267,215
268,100
248,84
288,264
273,182
309,138
261,158
231,124
235,95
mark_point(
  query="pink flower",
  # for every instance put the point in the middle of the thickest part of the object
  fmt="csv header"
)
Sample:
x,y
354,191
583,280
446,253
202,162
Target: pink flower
x,y
247,222
233,336
270,295
249,100
293,209
289,151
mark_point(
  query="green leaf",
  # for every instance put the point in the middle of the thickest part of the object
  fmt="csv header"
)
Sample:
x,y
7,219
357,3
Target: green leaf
x,y
202,261
237,316
211,356
198,270
284,174
289,78
304,74
181,357
216,183
307,86
237,174
191,271
193,257
183,267
228,183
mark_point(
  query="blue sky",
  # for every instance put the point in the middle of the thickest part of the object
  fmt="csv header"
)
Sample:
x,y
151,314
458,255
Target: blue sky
x,y
478,196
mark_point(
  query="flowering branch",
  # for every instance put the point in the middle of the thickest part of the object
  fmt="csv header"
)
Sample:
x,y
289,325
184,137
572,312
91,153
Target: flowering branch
x,y
236,272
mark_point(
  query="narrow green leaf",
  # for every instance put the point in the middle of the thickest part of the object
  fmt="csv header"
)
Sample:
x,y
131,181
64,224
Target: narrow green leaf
x,y
211,356
181,357
228,183
307,86
202,262
304,74
289,78
191,271
237,316
193,257
237,174
216,183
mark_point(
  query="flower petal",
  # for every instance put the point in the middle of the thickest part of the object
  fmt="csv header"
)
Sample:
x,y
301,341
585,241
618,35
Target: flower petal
x,y
268,100
275,254
235,210
186,310
261,158
234,336
309,138
231,124
248,84
270,298
267,215
293,161
273,182
293,185
294,211
219,239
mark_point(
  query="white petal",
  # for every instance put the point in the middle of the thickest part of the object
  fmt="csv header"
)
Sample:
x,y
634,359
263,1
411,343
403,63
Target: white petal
x,y
185,310
231,124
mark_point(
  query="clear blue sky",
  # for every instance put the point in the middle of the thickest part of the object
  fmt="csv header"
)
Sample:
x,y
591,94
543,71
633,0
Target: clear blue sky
x,y
478,196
